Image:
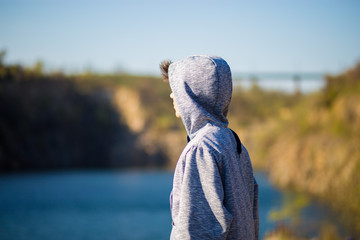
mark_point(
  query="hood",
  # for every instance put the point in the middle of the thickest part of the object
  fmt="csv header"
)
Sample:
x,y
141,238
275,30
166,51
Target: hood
x,y
202,87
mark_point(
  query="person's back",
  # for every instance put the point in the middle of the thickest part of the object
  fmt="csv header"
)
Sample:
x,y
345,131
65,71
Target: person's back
x,y
214,192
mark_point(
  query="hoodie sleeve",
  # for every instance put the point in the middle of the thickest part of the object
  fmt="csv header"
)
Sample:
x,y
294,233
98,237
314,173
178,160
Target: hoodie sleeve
x,y
256,208
202,214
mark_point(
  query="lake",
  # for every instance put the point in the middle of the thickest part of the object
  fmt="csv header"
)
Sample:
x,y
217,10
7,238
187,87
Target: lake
x,y
130,205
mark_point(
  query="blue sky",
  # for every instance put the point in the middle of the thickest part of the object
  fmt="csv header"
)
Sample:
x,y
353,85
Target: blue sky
x,y
134,36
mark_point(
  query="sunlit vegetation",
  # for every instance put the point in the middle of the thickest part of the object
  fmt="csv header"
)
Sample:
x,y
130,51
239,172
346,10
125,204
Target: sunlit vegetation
x,y
257,105
315,149
308,143
282,232
52,121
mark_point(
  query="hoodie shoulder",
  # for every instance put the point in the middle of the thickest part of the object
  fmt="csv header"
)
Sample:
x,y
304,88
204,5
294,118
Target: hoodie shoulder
x,y
212,139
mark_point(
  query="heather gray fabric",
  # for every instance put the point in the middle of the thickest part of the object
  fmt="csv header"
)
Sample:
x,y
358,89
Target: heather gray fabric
x,y
214,192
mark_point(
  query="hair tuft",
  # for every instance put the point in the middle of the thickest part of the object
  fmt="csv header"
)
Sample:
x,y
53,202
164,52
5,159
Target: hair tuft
x,y
164,66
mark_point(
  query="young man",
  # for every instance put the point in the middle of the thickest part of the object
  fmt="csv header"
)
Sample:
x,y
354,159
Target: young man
x,y
214,192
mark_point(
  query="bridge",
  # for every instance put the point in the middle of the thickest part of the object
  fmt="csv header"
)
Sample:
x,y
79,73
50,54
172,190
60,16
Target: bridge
x,y
283,81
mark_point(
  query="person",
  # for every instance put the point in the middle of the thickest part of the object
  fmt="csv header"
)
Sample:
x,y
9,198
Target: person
x,y
215,194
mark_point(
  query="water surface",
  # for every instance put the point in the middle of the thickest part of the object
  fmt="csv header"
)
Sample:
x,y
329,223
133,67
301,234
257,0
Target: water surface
x,y
130,205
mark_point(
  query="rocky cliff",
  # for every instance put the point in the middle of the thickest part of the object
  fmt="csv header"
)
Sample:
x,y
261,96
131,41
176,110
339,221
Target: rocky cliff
x,y
316,148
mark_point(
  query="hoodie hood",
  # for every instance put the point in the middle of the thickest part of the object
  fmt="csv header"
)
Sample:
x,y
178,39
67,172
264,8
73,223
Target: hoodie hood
x,y
202,87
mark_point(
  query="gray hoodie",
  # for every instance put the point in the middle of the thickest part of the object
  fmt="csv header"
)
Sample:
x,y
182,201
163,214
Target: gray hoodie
x,y
214,192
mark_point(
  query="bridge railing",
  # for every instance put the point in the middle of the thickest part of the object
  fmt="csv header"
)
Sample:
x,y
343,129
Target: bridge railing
x,y
288,82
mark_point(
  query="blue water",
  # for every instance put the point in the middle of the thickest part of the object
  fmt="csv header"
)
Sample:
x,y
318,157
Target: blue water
x,y
130,205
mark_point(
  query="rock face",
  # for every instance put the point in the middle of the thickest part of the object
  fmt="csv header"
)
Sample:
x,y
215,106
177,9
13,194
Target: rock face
x,y
150,138
317,150
58,122
128,103
53,121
